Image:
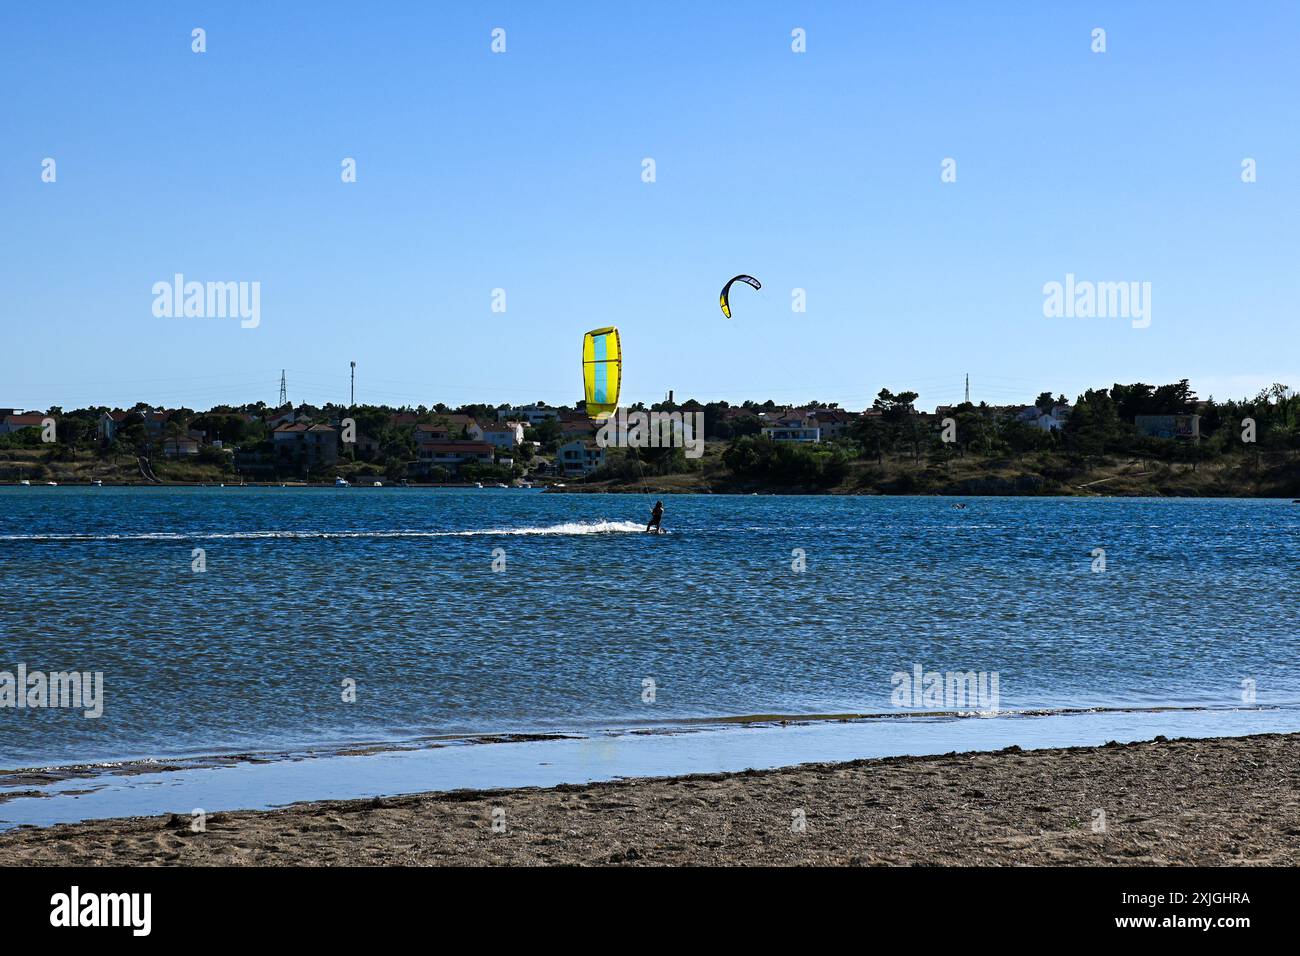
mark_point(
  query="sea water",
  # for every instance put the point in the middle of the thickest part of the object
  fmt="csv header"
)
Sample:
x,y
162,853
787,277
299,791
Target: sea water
x,y
284,621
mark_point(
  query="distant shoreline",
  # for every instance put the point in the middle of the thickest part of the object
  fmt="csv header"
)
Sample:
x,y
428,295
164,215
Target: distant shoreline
x,y
246,484
663,487
1185,802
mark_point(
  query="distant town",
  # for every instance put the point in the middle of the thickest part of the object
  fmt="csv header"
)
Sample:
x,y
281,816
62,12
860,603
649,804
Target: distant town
x,y
890,446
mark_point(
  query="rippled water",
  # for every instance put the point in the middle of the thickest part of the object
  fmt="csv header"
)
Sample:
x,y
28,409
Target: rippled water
x,y
395,589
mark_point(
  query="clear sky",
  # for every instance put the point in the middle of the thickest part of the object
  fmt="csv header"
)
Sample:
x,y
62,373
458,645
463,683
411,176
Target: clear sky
x,y
523,171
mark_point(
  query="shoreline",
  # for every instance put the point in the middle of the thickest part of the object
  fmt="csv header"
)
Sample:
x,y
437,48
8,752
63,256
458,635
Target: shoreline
x,y
97,768
577,487
1187,801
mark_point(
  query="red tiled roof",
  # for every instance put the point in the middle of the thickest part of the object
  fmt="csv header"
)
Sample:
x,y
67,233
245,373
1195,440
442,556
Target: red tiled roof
x,y
31,418
832,415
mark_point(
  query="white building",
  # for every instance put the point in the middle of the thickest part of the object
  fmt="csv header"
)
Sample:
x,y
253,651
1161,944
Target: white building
x,y
499,434
181,446
533,415
15,422
1047,421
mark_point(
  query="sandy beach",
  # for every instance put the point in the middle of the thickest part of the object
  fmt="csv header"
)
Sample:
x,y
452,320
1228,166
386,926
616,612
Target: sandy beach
x,y
1225,801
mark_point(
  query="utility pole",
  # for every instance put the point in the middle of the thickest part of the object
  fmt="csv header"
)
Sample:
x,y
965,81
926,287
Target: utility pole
x,y
353,403
284,392
968,388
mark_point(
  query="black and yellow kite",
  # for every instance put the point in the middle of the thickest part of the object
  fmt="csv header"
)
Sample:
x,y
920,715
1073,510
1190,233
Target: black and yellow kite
x,y
726,289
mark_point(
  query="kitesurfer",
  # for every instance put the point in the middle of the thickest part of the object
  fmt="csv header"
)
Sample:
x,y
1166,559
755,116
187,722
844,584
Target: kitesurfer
x,y
656,516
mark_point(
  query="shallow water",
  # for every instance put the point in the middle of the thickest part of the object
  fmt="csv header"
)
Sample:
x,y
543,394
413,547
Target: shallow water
x,y
255,785
395,589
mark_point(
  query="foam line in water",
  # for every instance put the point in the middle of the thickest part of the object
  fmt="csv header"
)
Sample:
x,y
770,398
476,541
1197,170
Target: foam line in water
x,y
567,528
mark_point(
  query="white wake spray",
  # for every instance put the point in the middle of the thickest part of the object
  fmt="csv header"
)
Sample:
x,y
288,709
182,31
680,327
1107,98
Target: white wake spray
x,y
567,528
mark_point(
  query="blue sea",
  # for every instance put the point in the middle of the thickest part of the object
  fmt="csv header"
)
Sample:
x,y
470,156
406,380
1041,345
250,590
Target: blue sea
x,y
305,626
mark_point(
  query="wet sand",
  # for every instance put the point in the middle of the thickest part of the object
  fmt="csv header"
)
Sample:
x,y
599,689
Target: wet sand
x,y
1224,801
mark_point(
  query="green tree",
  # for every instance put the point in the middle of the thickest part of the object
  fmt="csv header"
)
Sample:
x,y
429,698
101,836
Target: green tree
x,y
1094,425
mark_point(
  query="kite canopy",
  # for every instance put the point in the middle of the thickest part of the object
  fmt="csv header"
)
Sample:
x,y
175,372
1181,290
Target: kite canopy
x,y
726,290
602,371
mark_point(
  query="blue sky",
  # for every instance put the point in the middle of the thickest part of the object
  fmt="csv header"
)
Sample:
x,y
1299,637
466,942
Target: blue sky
x,y
522,171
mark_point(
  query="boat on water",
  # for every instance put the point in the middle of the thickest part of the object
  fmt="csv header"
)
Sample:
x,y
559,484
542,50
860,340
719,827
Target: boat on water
x,y
478,484
98,483
24,482
376,484
341,483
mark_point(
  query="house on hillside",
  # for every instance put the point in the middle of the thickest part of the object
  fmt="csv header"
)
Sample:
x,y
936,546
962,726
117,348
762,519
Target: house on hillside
x,y
790,425
366,446
579,457
426,433
14,422
1049,421
795,432
832,422
109,423
308,444
180,446
452,454
499,434
811,425
155,421
1169,426
281,416
579,428
533,415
